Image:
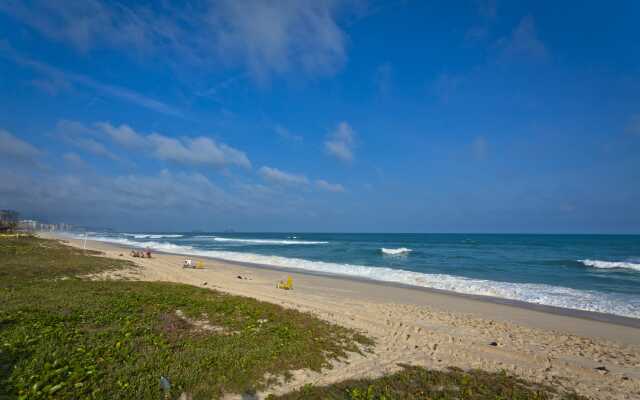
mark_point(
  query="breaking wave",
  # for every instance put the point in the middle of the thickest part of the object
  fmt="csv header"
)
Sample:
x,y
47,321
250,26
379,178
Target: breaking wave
x,y
159,246
558,296
395,252
151,236
261,241
611,264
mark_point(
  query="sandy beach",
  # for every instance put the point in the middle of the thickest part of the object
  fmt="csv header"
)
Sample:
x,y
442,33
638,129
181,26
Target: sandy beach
x,y
596,355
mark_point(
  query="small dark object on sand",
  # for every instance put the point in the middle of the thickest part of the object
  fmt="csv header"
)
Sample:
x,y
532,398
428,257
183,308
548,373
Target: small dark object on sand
x,y
493,344
239,277
204,283
602,368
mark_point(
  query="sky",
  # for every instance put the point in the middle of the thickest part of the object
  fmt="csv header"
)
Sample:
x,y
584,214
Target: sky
x,y
326,116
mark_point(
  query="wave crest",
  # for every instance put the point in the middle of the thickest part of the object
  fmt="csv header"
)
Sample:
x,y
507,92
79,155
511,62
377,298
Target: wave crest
x,y
262,241
395,252
151,236
611,264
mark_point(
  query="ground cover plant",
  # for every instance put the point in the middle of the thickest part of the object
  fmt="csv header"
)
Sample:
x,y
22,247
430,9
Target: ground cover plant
x,y
64,336
419,383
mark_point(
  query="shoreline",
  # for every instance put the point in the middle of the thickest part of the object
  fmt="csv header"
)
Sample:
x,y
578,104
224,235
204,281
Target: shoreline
x,y
588,316
569,312
543,308
421,326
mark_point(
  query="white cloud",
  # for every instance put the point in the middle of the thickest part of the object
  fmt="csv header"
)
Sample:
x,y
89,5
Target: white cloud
x,y
329,187
80,136
169,198
480,148
199,150
95,147
14,148
83,24
286,134
524,42
125,94
187,150
487,12
74,160
265,37
275,37
279,177
123,134
72,129
57,78
170,190
340,142
51,85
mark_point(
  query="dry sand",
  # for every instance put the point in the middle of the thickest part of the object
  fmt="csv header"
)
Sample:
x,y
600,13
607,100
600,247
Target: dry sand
x,y
576,351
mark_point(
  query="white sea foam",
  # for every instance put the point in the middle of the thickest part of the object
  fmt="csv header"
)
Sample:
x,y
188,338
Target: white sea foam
x,y
151,236
528,292
611,264
159,246
262,241
395,252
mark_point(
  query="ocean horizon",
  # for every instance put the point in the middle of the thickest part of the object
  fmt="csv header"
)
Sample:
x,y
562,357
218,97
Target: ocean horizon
x,y
589,272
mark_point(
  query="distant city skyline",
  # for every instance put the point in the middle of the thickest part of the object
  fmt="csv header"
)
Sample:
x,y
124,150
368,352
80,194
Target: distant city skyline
x,y
326,116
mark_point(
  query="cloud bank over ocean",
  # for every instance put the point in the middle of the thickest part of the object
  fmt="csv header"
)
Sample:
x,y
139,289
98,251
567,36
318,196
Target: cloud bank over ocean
x,y
319,116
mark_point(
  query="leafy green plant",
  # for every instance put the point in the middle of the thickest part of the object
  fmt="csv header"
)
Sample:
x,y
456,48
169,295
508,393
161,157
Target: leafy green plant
x,y
419,383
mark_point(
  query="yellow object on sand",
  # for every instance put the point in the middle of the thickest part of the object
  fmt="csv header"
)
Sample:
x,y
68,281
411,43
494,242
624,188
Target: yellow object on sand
x,y
200,265
288,285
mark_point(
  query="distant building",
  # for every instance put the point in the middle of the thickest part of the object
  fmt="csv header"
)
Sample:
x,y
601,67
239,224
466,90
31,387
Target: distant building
x,y
28,225
47,227
65,227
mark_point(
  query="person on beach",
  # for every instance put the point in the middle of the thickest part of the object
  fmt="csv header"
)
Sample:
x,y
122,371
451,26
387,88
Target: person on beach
x,y
148,252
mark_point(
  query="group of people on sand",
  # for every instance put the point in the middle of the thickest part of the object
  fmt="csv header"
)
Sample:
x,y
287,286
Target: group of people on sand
x,y
142,254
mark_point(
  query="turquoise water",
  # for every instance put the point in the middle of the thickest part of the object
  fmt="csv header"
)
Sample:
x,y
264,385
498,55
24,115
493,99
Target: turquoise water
x,y
587,272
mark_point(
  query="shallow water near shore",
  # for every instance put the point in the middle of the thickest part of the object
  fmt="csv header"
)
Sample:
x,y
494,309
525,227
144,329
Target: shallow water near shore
x,y
585,272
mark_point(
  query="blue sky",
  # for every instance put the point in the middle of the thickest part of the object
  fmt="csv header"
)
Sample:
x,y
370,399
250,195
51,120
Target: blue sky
x,y
402,116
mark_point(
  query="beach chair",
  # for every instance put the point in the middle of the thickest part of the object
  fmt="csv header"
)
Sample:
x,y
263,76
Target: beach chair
x,y
288,285
188,263
199,265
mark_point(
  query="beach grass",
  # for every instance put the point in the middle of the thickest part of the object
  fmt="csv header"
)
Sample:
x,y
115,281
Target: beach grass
x,y
65,336
419,383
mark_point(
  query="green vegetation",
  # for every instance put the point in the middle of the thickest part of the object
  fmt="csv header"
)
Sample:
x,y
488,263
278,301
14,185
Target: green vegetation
x,y
65,337
419,383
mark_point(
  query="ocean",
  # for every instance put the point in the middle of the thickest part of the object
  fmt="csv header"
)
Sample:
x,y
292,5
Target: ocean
x,y
598,273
